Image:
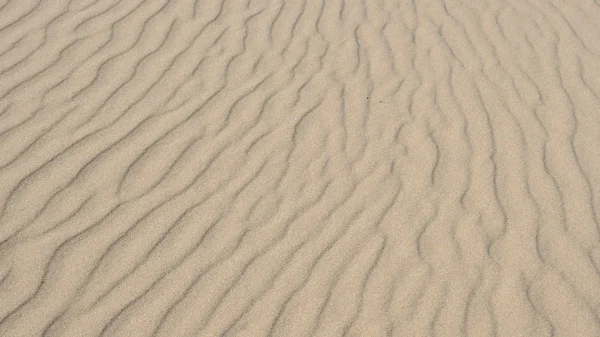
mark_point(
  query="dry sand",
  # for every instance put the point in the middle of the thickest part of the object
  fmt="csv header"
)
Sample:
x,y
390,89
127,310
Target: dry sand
x,y
299,168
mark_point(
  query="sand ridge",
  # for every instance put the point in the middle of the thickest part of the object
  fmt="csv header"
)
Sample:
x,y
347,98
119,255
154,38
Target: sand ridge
x,y
299,168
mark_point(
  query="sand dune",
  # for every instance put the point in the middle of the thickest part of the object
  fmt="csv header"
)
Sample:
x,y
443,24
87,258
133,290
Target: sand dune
x,y
299,168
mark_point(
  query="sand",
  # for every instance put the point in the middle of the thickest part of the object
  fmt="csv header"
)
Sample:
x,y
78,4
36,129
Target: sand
x,y
299,168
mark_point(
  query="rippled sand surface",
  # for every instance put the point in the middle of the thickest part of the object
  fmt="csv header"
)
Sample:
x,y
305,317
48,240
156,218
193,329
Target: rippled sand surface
x,y
299,168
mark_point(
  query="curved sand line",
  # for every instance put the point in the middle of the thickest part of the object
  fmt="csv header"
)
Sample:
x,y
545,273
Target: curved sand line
x,y
299,168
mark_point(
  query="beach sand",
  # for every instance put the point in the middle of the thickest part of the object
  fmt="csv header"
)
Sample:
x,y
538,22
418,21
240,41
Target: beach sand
x,y
299,168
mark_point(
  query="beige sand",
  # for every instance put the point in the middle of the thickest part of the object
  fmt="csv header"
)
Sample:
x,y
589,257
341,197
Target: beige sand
x,y
299,168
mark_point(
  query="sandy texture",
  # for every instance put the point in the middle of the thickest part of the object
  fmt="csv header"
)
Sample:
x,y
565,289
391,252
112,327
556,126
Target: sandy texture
x,y
299,168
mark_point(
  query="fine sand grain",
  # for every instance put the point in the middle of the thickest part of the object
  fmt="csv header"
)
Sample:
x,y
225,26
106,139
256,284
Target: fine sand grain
x,y
299,168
